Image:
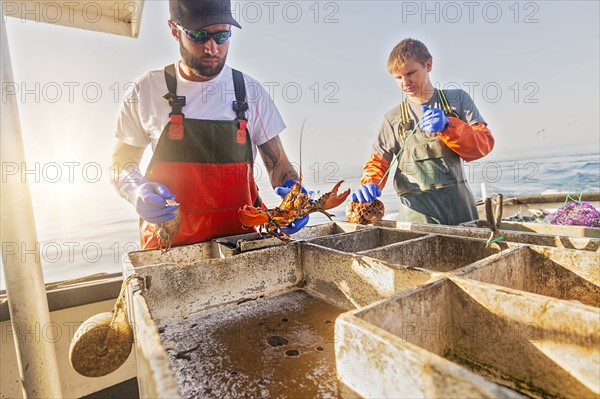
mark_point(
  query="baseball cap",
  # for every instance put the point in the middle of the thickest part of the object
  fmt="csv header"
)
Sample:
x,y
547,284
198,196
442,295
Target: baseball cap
x,y
198,14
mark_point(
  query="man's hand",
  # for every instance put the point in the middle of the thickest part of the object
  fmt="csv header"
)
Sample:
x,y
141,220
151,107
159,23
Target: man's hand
x,y
433,120
298,224
150,201
285,188
367,193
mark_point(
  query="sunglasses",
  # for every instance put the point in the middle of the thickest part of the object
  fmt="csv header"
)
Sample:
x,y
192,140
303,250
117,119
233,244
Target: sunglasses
x,y
202,36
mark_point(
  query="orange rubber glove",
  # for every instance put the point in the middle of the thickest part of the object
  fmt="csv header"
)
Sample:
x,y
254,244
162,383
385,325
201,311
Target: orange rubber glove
x,y
470,142
374,170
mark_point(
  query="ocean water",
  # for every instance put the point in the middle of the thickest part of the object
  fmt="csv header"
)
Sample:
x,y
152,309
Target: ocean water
x,y
91,229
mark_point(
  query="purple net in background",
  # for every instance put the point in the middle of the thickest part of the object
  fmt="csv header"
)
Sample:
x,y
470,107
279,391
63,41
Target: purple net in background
x,y
575,213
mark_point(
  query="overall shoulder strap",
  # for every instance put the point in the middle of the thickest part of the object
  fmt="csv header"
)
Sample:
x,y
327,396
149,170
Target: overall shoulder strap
x,y
171,79
240,106
407,123
176,128
448,111
176,102
404,110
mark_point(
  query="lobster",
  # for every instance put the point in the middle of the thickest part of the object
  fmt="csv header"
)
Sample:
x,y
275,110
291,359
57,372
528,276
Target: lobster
x,y
295,205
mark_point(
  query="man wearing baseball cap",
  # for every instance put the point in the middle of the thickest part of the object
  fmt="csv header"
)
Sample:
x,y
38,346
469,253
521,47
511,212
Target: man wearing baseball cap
x,y
205,122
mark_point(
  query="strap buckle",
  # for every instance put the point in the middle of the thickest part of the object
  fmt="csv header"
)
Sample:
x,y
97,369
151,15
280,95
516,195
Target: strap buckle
x,y
407,125
175,100
240,107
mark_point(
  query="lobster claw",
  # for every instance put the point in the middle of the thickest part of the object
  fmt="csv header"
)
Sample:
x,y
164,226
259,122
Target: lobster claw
x,y
250,216
332,199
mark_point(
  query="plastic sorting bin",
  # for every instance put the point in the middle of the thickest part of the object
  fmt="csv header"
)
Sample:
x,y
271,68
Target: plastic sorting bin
x,y
435,252
463,338
365,239
480,231
366,311
542,228
259,323
562,274
232,245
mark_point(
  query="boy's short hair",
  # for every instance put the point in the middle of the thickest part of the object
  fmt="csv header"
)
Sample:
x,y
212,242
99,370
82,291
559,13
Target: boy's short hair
x,y
405,51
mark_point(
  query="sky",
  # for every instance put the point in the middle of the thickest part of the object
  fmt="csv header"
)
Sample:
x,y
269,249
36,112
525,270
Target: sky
x,y
532,68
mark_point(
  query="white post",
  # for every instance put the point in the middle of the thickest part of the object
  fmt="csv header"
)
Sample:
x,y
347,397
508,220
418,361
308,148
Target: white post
x,y
484,192
27,302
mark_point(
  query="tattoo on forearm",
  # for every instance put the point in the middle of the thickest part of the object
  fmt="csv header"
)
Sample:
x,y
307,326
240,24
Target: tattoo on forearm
x,y
276,162
270,151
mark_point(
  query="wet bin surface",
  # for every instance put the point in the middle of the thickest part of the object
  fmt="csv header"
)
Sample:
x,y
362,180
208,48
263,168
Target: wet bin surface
x,y
278,347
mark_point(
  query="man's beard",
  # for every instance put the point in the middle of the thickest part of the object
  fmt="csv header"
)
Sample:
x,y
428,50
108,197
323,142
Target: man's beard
x,y
196,66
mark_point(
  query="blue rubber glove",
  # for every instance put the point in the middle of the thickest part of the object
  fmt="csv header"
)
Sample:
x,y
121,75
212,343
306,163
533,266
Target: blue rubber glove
x,y
367,193
433,120
296,225
150,202
287,186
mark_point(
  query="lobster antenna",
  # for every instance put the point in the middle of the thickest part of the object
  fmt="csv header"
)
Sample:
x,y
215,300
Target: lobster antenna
x,y
301,133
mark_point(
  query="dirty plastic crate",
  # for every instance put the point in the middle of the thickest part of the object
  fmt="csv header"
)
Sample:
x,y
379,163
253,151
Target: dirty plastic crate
x,y
364,239
463,338
254,241
563,274
510,236
436,252
542,228
232,245
257,324
348,310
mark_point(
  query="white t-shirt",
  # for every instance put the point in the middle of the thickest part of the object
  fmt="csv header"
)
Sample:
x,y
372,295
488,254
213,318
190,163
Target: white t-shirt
x,y
144,112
